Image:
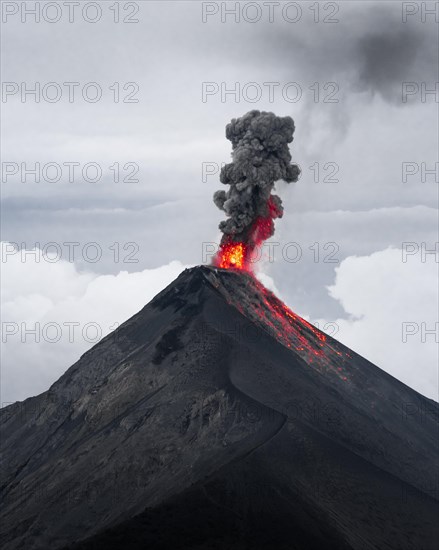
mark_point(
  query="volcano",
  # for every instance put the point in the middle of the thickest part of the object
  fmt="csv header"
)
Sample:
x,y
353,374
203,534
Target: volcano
x,y
217,418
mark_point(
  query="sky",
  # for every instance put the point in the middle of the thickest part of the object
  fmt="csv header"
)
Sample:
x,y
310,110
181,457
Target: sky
x,y
110,164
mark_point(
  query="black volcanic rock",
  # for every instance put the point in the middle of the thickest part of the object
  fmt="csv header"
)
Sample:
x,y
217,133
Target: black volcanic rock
x,y
217,418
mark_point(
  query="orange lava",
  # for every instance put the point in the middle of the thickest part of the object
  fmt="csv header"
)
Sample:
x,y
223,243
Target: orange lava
x,y
261,306
231,255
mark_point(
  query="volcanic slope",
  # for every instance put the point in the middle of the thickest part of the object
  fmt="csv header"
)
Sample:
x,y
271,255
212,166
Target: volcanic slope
x,y
217,418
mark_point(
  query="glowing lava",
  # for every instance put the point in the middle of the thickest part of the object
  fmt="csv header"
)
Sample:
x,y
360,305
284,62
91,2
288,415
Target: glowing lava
x,y
265,310
231,255
242,254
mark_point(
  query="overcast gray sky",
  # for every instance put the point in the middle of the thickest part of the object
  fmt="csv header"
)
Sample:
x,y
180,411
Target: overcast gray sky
x,y
358,79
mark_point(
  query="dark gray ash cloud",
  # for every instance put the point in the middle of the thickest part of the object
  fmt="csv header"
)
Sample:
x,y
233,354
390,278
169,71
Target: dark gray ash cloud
x,y
386,59
260,158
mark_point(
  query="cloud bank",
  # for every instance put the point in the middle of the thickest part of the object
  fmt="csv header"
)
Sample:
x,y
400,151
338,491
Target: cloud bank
x,y
53,313
392,314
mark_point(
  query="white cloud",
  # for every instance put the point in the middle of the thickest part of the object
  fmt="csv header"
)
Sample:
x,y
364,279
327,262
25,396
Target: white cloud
x,y
389,301
49,297
267,281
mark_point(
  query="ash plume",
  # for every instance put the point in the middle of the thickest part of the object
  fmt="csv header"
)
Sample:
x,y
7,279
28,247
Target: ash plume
x,y
260,158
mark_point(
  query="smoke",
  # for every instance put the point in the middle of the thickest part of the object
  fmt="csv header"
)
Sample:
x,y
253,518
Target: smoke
x,y
385,59
260,158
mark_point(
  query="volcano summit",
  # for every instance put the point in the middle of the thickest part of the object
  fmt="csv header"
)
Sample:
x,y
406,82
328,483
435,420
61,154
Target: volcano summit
x,y
217,418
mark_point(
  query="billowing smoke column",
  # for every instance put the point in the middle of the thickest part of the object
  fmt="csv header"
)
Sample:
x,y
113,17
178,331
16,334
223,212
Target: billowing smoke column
x,y
260,158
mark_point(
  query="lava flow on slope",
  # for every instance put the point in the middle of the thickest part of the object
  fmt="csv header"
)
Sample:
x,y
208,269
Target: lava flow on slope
x,y
242,290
